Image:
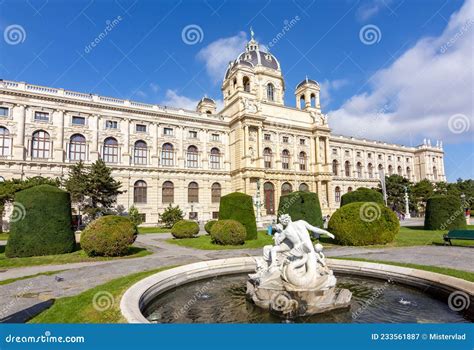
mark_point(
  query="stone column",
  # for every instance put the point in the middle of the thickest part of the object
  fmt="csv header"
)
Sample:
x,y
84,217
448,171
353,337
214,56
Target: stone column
x,y
154,148
58,120
19,141
245,143
205,152
126,144
312,154
259,147
226,157
181,151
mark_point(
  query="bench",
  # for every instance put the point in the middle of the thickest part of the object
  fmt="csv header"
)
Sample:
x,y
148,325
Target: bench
x,y
458,234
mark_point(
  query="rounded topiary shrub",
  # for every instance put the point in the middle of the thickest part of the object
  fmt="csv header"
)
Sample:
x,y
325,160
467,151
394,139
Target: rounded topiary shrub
x,y
239,206
228,232
109,235
364,223
41,223
302,206
444,213
208,225
362,194
185,229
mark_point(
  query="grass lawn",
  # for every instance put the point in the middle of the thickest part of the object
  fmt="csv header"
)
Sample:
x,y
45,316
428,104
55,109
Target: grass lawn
x,y
204,242
74,257
80,308
11,280
4,236
145,230
465,275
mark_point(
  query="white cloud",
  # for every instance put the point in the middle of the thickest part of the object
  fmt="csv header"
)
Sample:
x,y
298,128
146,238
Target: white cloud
x,y
173,99
420,91
370,9
329,86
154,87
217,55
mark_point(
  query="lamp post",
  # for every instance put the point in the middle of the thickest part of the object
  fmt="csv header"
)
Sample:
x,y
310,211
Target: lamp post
x,y
258,203
407,207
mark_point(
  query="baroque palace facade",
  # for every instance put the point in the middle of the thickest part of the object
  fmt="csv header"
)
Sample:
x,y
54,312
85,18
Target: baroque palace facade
x,y
168,155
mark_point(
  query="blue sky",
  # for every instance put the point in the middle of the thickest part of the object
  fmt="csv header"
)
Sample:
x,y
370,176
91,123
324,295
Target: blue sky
x,y
412,79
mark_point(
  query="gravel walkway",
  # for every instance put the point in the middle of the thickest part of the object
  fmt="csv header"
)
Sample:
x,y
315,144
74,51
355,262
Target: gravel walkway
x,y
21,299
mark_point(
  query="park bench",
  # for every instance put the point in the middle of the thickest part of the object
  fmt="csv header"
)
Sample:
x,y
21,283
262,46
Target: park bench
x,y
458,234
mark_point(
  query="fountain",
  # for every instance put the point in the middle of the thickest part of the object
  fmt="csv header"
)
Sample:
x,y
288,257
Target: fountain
x,y
294,279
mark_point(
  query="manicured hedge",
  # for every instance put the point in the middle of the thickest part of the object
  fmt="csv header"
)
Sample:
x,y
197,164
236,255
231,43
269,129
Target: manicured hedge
x,y
239,206
302,206
444,213
362,194
185,229
228,232
109,235
208,225
364,223
41,223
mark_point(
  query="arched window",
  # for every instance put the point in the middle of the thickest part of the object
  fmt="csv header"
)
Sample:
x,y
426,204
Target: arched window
x,y
215,158
390,170
347,168
302,102
40,144
335,166
267,157
349,189
337,194
167,192
359,169
77,147
246,83
286,188
435,173
285,159
193,192
302,160
370,169
110,150
304,187
269,194
399,170
5,142
215,192
381,170
192,157
139,192
313,100
167,155
408,173
140,153
270,92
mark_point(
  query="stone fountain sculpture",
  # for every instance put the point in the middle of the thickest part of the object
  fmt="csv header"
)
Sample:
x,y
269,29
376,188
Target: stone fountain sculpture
x,y
293,278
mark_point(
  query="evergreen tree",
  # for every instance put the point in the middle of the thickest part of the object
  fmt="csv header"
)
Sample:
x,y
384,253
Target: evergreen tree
x,y
171,215
134,216
396,185
101,190
76,183
421,192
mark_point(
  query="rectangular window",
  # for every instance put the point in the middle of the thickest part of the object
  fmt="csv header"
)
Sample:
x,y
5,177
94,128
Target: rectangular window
x,y
389,157
215,137
111,124
140,128
358,154
42,116
193,215
369,155
380,156
267,137
302,142
408,160
215,215
285,139
347,152
168,131
334,151
76,120
193,134
398,158
4,111
142,217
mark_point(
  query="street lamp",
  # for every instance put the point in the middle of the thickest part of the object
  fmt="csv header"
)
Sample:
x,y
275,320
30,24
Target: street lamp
x,y
407,207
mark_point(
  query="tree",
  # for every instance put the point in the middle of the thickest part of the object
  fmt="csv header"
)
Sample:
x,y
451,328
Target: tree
x,y
171,215
76,183
396,185
101,191
134,216
421,192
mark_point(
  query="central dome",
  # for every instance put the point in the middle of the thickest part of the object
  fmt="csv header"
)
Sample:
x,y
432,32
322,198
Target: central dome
x,y
254,57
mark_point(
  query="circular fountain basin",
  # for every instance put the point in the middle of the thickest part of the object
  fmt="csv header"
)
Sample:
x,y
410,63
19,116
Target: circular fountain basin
x,y
214,291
